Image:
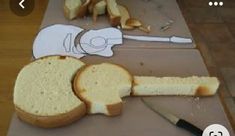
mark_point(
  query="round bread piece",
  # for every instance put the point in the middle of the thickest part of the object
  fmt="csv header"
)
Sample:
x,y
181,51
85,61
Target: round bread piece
x,y
43,94
102,86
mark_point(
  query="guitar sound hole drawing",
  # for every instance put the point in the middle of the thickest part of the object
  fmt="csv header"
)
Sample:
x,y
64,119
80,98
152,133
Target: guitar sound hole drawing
x,y
59,39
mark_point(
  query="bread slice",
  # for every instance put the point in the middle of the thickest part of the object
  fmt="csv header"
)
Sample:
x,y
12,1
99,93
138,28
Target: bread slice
x,y
71,8
99,9
192,86
102,86
125,15
113,12
75,8
91,5
43,94
83,8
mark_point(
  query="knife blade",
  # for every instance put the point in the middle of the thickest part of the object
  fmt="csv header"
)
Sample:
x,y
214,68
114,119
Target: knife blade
x,y
174,119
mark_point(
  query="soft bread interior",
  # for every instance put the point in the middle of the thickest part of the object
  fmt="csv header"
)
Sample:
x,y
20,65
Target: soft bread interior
x,y
101,85
44,87
201,86
71,8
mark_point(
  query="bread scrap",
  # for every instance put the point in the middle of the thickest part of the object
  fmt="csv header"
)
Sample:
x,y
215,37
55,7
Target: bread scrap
x,y
190,86
133,22
91,5
125,15
118,14
43,94
71,8
83,8
102,86
99,9
75,8
113,12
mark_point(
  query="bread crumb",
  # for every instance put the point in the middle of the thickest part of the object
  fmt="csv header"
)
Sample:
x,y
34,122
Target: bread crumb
x,y
62,57
191,114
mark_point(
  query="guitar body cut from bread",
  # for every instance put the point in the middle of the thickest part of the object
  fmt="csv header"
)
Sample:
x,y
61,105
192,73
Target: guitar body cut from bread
x,y
188,86
102,86
43,94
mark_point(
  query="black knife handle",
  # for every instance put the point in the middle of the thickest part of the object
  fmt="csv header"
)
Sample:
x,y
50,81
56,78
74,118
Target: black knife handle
x,y
190,127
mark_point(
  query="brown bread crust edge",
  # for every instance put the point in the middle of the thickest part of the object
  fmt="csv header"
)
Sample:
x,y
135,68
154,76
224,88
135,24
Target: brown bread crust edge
x,y
52,121
203,91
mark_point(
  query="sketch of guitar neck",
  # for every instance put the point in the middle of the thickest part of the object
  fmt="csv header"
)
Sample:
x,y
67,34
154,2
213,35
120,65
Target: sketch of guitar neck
x,y
60,40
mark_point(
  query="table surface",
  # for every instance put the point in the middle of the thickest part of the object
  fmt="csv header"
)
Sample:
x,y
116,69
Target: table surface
x,y
16,37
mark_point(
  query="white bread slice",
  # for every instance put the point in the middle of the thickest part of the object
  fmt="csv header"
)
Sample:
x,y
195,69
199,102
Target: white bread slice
x,y
43,94
102,86
113,12
71,8
191,86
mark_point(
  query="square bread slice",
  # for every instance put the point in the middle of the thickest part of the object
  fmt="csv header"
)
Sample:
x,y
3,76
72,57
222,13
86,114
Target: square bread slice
x,y
102,86
189,86
43,94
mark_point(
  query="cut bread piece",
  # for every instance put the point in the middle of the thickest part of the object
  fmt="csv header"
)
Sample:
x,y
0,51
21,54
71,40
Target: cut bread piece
x,y
113,12
145,29
75,8
191,86
133,22
83,8
99,9
125,15
43,94
71,8
102,86
91,5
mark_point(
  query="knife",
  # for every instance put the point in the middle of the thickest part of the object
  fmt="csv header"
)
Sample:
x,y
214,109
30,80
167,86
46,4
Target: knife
x,y
172,39
181,123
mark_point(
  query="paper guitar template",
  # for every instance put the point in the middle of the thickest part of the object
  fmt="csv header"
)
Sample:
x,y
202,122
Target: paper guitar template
x,y
59,39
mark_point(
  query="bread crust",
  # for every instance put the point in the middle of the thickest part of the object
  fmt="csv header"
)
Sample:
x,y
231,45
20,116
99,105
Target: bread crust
x,y
113,109
83,9
52,121
77,90
114,20
203,91
67,11
124,26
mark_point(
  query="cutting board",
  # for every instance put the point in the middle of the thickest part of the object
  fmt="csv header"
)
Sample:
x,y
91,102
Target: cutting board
x,y
151,12
136,119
